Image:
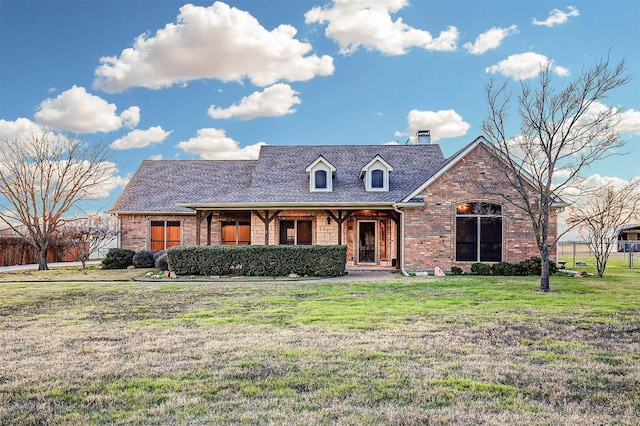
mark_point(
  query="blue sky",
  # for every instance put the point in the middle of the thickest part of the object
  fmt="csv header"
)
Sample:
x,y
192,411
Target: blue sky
x,y
173,80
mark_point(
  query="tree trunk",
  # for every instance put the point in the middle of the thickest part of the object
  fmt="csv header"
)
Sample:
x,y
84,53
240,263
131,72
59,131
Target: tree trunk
x,y
42,259
544,277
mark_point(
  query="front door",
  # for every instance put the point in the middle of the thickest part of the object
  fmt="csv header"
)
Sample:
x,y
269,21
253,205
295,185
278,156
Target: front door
x,y
367,242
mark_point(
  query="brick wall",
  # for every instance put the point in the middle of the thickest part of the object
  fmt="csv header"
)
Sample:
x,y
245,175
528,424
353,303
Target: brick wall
x,y
135,229
430,231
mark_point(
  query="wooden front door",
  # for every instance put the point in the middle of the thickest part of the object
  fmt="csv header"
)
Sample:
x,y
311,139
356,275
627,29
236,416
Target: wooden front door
x,y
367,246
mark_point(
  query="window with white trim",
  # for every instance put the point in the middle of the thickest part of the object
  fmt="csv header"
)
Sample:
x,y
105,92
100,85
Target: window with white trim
x,y
375,174
321,174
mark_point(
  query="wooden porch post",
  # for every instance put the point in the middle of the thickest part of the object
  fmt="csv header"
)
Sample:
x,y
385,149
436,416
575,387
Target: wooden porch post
x,y
209,217
339,219
198,223
266,219
396,219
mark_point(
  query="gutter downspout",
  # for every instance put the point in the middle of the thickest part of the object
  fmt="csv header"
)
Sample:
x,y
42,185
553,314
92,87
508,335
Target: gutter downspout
x,y
401,213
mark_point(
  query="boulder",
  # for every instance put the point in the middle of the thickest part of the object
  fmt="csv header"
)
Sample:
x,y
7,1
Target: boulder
x,y
438,272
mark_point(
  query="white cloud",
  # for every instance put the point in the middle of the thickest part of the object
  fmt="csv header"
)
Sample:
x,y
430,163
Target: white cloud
x,y
21,127
213,144
78,111
629,122
490,39
274,101
557,16
368,23
212,42
141,138
526,65
442,124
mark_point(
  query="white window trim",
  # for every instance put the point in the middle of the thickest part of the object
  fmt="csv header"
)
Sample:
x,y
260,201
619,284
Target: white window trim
x,y
321,164
377,163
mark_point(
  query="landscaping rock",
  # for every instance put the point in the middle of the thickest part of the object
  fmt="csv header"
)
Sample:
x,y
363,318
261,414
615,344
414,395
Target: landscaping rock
x,y
438,272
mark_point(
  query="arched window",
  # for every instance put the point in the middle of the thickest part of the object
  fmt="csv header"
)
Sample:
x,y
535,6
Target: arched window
x,y
478,232
321,179
377,179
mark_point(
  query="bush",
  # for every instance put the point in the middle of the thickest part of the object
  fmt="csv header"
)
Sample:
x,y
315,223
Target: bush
x,y
118,258
504,269
533,266
143,259
318,261
456,270
160,260
480,268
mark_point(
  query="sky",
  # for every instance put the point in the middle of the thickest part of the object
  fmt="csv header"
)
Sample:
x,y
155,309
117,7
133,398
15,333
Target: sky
x,y
168,79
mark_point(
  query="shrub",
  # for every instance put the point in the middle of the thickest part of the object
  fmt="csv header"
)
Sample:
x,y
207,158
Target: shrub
x,y
118,258
504,269
319,261
456,270
533,266
143,259
160,260
480,268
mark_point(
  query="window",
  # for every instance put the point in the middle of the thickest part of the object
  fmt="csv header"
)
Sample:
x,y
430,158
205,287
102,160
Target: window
x,y
236,233
296,232
164,234
479,232
377,179
321,179
321,174
375,174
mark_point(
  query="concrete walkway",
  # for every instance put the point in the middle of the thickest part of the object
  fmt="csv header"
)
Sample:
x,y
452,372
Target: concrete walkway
x,y
32,266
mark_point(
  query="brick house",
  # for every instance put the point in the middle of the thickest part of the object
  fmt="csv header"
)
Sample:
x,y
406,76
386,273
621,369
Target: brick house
x,y
396,206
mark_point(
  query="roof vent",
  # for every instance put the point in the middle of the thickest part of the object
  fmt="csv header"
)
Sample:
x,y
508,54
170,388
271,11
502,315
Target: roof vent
x,y
423,137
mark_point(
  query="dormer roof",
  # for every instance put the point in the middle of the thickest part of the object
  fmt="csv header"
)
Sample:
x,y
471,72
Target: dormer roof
x,y
370,164
321,160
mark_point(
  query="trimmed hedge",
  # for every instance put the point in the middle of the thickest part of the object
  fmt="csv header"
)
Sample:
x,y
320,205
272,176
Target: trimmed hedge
x,y
270,261
118,258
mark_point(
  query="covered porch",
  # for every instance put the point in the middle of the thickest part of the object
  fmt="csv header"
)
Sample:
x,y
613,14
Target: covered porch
x,y
371,235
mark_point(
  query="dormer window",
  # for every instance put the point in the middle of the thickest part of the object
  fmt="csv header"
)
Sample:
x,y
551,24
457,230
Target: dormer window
x,y
321,173
321,179
376,174
377,179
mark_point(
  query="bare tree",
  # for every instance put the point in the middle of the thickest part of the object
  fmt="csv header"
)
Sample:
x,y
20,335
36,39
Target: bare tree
x,y
600,218
86,236
42,177
561,133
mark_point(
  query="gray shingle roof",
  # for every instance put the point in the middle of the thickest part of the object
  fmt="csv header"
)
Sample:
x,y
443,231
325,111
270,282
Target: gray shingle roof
x,y
158,185
278,176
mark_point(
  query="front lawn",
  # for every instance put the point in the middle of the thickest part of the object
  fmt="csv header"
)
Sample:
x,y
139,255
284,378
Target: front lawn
x,y
403,351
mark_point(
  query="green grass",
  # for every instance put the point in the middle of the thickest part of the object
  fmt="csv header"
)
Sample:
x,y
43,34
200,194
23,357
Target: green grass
x,y
400,351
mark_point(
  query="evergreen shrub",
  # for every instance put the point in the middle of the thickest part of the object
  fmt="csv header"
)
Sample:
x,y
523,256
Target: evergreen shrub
x,y
143,259
117,258
272,261
160,260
